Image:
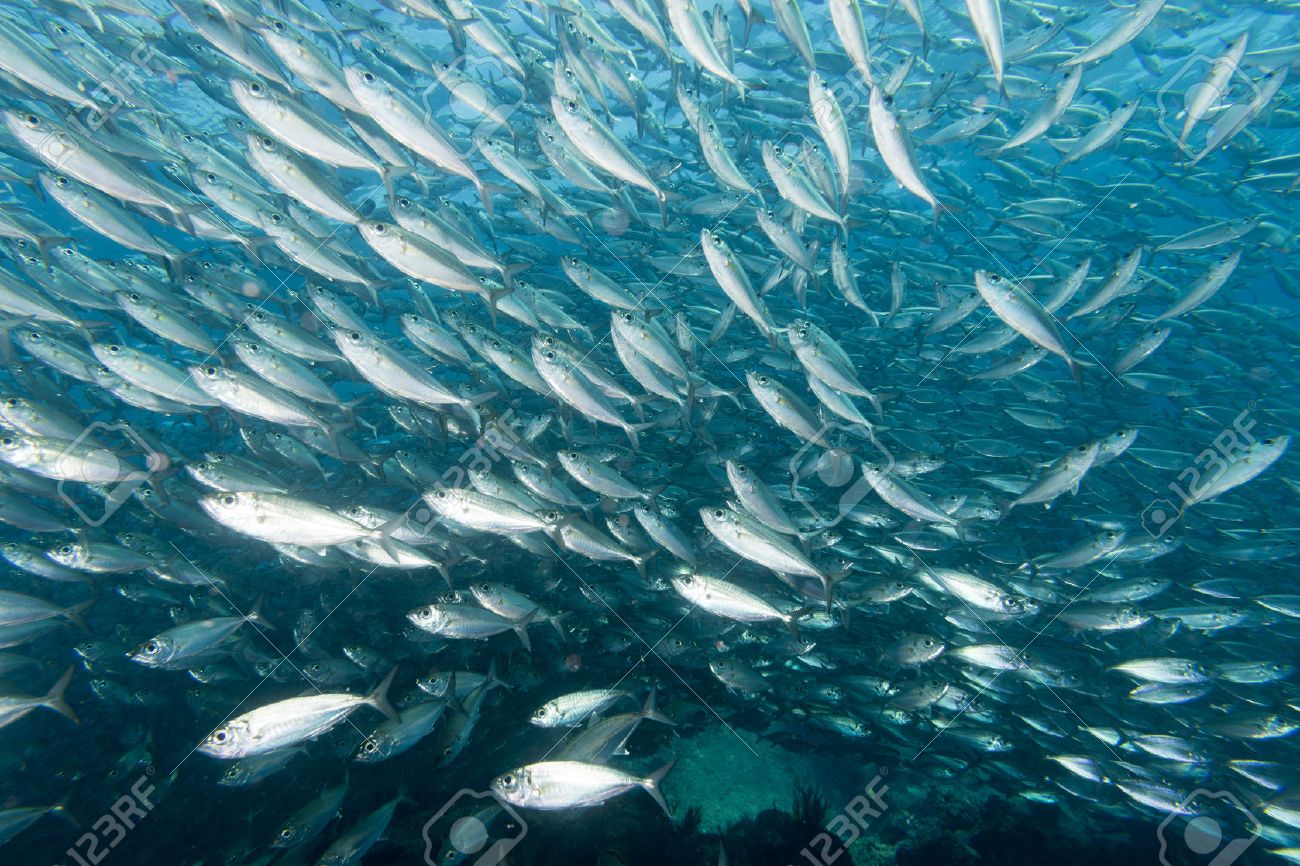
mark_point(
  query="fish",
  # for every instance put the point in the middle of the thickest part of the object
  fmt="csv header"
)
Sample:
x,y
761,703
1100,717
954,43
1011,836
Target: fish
x,y
308,822
853,381
552,785
284,724
1024,315
350,847
574,708
186,646
986,17
14,707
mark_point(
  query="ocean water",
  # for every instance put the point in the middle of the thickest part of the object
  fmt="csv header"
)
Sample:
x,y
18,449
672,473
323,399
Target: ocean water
x,y
699,458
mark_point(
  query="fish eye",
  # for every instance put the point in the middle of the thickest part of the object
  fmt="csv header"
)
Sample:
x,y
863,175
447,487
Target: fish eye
x,y
718,513
763,380
211,178
255,88
550,356
152,647
210,370
221,737
276,218
286,833
62,181
33,120
228,500
928,642
368,77
508,779
571,105
403,202
354,336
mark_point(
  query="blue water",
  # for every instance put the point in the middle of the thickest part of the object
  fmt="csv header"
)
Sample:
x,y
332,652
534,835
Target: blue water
x,y
817,757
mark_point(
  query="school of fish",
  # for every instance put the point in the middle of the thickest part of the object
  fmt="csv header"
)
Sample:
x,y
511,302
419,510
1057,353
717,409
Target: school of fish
x,y
908,381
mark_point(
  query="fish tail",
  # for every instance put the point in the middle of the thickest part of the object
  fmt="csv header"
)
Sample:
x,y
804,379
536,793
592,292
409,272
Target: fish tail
x,y
521,628
652,782
651,712
255,615
383,535
642,561
633,429
74,614
54,700
749,26
557,622
61,809
379,697
43,244
485,194
792,619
